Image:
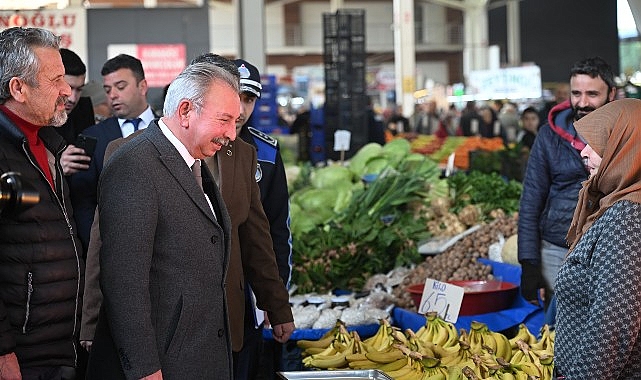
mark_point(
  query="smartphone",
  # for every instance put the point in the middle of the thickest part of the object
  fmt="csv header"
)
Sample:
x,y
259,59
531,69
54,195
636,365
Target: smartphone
x,y
88,143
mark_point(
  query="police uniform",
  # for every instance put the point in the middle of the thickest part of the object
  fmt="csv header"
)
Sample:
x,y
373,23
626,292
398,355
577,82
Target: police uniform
x,y
274,196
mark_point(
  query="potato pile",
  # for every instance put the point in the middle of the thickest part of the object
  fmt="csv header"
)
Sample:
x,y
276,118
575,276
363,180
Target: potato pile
x,y
459,261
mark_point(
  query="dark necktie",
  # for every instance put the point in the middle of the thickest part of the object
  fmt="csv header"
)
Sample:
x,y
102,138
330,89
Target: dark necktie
x,y
195,168
135,122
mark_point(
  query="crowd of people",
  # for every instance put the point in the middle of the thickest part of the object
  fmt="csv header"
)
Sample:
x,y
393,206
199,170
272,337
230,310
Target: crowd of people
x,y
484,119
160,246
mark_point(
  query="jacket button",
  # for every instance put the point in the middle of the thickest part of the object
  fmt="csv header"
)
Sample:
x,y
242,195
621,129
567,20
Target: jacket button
x,y
214,239
221,332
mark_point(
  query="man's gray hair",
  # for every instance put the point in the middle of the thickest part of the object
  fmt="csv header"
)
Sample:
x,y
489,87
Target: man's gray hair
x,y
18,57
193,84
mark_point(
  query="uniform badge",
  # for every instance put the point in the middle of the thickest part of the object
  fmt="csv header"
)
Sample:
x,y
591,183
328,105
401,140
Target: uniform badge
x,y
263,136
259,173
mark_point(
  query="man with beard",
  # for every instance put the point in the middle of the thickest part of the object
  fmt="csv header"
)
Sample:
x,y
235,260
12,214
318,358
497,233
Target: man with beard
x,y
553,179
40,264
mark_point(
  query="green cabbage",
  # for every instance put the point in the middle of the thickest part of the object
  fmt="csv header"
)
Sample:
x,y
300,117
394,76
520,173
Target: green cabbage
x,y
396,150
331,176
358,162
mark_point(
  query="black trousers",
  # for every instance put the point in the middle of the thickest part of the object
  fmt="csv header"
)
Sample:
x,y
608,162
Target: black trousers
x,y
246,361
48,373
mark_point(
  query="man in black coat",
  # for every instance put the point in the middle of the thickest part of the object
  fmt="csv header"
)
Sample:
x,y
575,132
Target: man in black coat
x,y
40,265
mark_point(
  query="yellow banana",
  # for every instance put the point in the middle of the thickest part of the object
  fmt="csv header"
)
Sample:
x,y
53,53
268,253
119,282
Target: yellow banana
x,y
545,342
313,350
506,376
452,335
387,356
356,357
374,339
321,343
428,334
437,376
441,336
362,364
520,375
411,375
399,336
454,373
523,334
503,347
517,357
329,362
395,365
406,370
528,367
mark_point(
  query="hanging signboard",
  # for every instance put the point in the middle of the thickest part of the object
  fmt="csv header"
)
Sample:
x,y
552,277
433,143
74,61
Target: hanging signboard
x,y
69,23
161,62
509,83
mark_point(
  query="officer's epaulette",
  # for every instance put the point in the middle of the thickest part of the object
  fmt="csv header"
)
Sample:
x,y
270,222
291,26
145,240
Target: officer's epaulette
x,y
263,136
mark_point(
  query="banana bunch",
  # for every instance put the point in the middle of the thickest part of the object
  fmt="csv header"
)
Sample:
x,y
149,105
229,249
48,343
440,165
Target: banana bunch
x,y
380,349
433,369
438,331
311,347
547,366
383,337
523,334
546,342
334,356
482,339
524,361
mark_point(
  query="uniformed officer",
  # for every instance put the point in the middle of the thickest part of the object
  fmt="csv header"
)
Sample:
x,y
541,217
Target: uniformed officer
x,y
270,175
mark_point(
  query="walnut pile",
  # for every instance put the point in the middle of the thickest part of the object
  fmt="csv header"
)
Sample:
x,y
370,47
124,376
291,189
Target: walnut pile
x,y
459,261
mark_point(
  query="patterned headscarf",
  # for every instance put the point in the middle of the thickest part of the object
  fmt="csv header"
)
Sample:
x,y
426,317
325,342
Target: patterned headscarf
x,y
614,133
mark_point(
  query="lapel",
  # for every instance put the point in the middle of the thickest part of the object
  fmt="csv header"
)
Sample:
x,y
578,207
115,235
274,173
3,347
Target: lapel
x,y
227,169
176,166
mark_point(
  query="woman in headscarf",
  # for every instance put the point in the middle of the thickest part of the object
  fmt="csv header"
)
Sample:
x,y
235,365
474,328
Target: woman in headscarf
x,y
599,285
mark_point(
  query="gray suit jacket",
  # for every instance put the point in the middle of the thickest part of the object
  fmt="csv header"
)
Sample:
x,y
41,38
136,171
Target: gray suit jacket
x,y
163,263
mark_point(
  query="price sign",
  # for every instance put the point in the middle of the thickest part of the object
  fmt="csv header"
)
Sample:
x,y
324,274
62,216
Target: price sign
x,y
341,140
443,298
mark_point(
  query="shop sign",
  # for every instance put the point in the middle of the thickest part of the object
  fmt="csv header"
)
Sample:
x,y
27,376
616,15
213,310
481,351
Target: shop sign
x,y
161,62
69,23
509,83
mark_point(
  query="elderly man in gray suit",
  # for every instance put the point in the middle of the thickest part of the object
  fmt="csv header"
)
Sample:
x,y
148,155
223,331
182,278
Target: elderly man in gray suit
x,y
164,254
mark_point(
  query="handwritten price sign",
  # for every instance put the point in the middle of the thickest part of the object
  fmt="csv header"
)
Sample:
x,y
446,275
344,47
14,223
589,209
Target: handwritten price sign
x,y
443,298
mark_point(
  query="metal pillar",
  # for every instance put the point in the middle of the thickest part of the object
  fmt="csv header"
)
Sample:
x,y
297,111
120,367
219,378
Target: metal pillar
x,y
476,33
513,33
251,31
404,55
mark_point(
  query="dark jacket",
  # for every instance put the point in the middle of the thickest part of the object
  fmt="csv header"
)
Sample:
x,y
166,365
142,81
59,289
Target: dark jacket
x,y
40,264
551,185
84,184
274,195
163,262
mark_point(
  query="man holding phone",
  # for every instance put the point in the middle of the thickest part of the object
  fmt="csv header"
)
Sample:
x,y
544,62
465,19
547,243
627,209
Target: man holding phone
x,y
124,82
80,115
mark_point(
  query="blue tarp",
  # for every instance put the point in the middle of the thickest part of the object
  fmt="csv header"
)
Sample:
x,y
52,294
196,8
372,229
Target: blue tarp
x,y
521,311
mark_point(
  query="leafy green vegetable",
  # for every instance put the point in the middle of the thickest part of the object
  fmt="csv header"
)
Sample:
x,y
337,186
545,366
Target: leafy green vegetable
x,y
373,234
361,158
488,190
331,176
